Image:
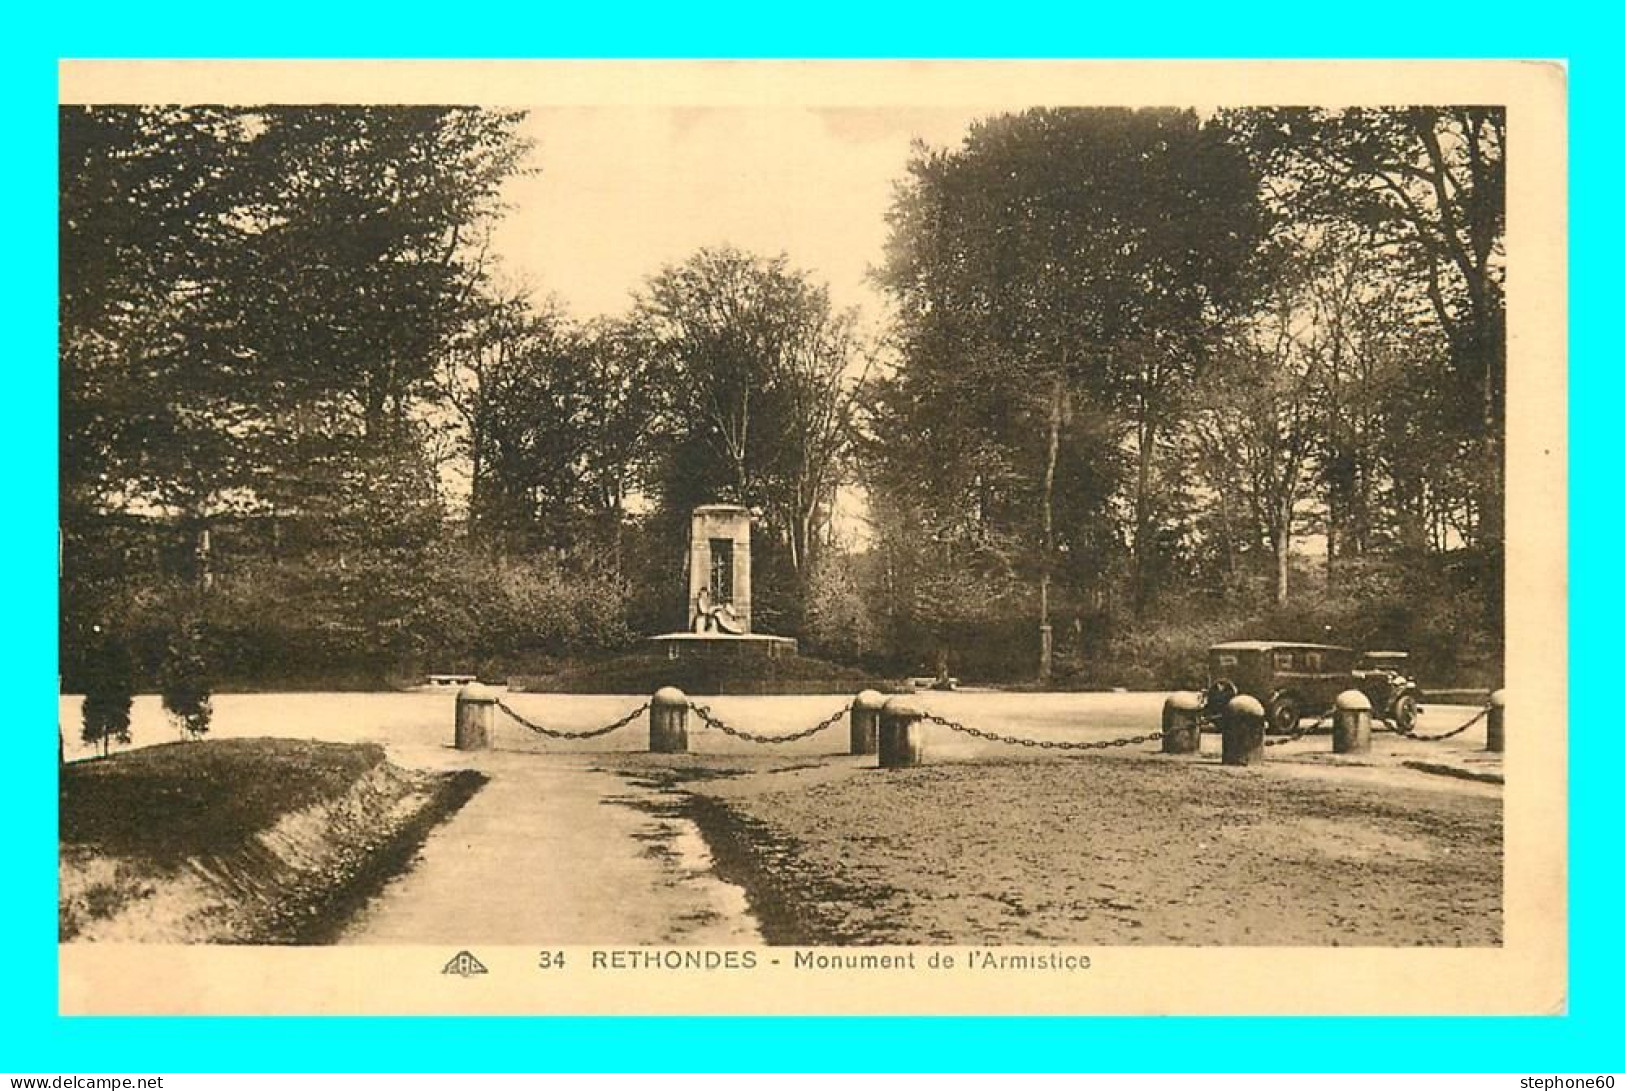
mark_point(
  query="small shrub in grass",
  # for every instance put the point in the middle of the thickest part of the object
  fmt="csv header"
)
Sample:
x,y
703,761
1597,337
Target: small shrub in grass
x,y
184,679
109,692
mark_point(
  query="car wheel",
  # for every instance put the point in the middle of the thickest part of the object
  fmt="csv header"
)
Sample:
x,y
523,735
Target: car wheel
x,y
1283,715
1405,712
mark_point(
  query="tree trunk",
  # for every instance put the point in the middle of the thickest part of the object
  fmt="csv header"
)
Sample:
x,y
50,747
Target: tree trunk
x,y
1333,514
1142,516
1410,507
1354,544
205,559
477,484
1227,534
1051,455
1282,541
1281,569
1491,533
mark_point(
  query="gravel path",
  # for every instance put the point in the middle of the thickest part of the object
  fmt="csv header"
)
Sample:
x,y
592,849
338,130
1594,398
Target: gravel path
x,y
553,852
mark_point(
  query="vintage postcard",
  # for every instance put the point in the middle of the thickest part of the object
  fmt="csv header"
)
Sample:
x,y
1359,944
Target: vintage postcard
x,y
749,537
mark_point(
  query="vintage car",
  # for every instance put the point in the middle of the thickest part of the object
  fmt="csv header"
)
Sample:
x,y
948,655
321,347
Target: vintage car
x,y
1394,695
1294,680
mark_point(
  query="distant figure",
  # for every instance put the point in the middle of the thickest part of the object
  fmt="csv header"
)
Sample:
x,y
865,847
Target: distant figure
x,y
713,619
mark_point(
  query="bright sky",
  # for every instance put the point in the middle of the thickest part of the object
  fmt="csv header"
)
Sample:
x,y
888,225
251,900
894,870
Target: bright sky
x,y
624,190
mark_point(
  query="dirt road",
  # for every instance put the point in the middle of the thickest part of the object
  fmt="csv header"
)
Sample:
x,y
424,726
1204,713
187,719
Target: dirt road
x,y
552,852
1125,850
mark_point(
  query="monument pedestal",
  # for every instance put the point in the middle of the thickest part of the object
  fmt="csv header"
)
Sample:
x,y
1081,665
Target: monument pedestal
x,y
724,646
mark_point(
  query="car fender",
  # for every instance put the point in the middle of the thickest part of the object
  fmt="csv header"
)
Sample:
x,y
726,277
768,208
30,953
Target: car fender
x,y
1287,693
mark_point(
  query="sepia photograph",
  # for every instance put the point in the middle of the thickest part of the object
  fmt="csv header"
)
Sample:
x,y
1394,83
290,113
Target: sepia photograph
x,y
769,530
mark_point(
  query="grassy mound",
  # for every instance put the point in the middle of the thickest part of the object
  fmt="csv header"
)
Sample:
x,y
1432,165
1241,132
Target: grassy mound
x,y
646,671
179,800
238,840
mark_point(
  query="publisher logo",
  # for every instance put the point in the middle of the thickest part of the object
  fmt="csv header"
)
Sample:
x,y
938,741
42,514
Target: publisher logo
x,y
464,964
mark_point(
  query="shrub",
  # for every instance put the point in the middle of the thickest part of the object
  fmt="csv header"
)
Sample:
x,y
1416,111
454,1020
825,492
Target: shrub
x,y
109,691
184,680
840,618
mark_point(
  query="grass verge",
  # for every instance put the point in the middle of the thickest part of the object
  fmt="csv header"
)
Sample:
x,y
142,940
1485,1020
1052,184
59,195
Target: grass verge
x,y
238,840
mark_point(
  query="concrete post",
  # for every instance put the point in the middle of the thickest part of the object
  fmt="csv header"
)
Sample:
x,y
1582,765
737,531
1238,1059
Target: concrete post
x,y
476,717
901,734
865,720
1181,724
1243,731
1495,735
1351,723
668,721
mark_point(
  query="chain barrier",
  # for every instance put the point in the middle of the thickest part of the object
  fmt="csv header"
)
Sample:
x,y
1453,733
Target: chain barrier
x,y
1390,725
593,734
1299,732
711,720
1042,744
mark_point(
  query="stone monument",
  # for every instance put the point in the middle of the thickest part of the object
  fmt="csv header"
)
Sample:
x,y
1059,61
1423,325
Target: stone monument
x,y
719,569
719,578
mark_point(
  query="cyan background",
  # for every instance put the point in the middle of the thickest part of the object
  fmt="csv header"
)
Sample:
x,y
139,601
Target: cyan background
x,y
32,1038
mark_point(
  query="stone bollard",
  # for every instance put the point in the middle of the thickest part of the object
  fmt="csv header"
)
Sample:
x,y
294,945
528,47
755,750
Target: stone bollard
x,y
668,721
1495,734
1243,731
476,717
865,721
1351,723
1182,724
902,741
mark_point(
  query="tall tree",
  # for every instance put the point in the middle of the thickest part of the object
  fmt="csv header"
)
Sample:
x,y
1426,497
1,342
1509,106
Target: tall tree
x,y
363,234
1259,423
1062,265
515,379
1429,184
148,378
620,413
1374,354
757,369
254,297
252,303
